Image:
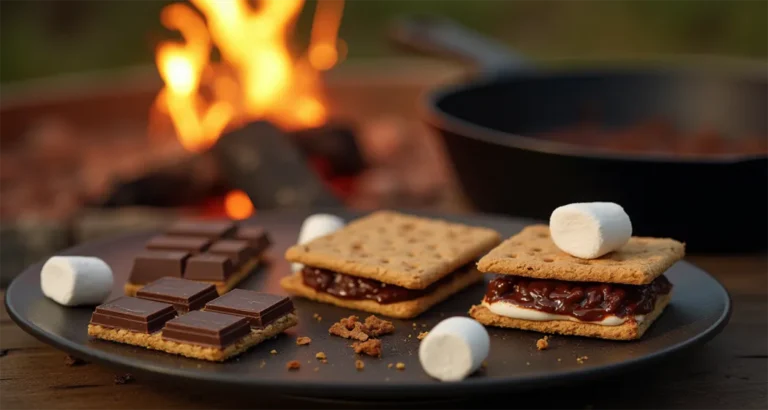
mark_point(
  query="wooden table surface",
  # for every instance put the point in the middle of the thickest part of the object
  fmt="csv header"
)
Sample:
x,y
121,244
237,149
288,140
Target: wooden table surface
x,y
731,371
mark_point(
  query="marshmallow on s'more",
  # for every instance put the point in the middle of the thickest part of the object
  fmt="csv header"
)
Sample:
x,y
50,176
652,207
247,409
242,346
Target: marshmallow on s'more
x,y
389,263
541,287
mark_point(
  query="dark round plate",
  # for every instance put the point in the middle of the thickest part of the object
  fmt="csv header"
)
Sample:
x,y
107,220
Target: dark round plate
x,y
700,309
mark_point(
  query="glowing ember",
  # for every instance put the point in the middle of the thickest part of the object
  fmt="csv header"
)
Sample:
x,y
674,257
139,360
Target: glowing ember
x,y
238,205
256,77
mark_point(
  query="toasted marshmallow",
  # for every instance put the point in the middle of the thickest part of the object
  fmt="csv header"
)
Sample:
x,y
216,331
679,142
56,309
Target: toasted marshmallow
x,y
315,226
76,280
590,230
454,349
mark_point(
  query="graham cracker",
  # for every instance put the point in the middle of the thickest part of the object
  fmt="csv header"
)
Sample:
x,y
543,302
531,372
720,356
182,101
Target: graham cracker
x,y
400,310
394,248
155,341
221,287
533,254
629,330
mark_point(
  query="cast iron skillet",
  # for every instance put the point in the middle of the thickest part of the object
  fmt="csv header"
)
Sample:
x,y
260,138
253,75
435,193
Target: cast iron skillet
x,y
713,203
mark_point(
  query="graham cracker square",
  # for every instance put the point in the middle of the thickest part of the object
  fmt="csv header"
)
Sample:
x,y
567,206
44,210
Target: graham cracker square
x,y
404,250
533,254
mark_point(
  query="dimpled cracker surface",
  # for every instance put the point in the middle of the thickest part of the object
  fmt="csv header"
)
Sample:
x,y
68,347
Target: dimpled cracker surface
x,y
390,247
533,254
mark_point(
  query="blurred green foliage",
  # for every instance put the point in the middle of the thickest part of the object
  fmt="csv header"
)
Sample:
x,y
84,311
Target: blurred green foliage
x,y
39,38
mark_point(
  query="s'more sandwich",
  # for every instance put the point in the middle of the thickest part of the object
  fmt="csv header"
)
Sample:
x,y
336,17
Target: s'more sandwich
x,y
540,287
389,263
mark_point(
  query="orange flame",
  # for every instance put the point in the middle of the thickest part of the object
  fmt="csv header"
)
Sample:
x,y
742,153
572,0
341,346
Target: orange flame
x,y
256,77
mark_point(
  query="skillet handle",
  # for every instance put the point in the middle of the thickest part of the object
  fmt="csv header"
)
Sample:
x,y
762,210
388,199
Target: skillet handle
x,y
440,37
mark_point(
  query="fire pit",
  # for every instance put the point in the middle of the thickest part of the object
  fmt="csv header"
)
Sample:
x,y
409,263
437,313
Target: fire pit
x,y
103,152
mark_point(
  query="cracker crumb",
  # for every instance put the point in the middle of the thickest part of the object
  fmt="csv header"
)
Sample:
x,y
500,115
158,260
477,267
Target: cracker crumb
x,y
559,359
293,365
527,363
316,369
422,335
389,366
73,361
349,328
400,366
542,344
410,336
371,347
323,361
262,364
303,340
273,351
376,327
124,379
414,324
359,365
581,359
317,317
423,325
320,355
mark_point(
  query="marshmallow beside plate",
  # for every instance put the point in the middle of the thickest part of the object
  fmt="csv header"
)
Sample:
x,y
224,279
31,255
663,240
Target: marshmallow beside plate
x,y
315,226
454,349
76,280
590,230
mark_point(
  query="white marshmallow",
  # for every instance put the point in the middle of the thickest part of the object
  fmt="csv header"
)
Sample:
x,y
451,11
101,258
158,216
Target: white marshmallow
x,y
454,349
315,226
590,230
76,280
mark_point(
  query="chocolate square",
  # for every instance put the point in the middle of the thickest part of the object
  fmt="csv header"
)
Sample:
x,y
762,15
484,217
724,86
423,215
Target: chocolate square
x,y
261,309
178,243
209,267
206,329
152,265
184,295
136,315
237,250
205,229
256,235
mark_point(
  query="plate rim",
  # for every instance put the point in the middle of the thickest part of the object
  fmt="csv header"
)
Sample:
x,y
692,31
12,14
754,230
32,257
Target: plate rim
x,y
332,389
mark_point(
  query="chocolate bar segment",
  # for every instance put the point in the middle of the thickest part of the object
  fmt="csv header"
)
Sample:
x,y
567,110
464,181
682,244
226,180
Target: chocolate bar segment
x,y
136,315
178,243
237,250
261,309
206,329
184,295
206,229
209,267
152,265
256,235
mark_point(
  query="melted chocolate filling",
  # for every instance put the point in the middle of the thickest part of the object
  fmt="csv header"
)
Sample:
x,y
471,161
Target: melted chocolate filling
x,y
355,288
589,302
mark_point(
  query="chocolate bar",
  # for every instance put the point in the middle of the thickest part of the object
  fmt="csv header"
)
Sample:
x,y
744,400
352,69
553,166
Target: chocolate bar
x,y
261,309
152,265
184,295
206,329
178,243
206,229
237,250
209,267
256,235
136,315
211,254
204,335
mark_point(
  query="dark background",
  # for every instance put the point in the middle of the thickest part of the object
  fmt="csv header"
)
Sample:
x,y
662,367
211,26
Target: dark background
x,y
40,38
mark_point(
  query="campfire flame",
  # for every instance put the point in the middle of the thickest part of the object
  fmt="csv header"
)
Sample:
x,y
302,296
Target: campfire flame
x,y
256,77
